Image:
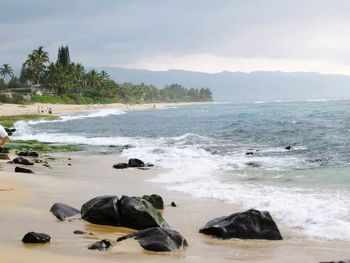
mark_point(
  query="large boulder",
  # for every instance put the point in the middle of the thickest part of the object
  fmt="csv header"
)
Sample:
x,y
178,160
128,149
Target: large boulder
x,y
251,224
23,170
33,237
137,213
23,161
131,212
136,163
158,239
155,200
102,210
61,211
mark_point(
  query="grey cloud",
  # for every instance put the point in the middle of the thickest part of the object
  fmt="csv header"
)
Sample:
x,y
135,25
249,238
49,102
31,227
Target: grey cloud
x,y
111,32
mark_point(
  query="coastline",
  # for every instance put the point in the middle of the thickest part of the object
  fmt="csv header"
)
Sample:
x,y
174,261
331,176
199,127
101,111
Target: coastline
x,y
26,208
57,109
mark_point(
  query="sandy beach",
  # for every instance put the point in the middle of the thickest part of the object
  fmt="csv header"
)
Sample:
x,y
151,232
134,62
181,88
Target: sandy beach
x,y
57,109
26,208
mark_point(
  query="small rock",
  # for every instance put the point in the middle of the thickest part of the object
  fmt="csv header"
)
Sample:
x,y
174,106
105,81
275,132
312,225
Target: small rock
x,y
69,159
79,232
249,153
136,163
149,165
61,211
28,154
23,161
289,147
121,166
158,239
254,164
23,170
69,164
33,237
173,204
100,245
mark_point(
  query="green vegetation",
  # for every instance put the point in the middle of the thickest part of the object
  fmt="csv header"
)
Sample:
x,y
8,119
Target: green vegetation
x,y
64,81
41,147
8,121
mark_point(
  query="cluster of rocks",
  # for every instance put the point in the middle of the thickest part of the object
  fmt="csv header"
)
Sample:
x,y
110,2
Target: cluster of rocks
x,y
137,213
30,160
153,232
132,163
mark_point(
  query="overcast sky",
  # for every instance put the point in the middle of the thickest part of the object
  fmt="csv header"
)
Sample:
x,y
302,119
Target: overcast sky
x,y
200,35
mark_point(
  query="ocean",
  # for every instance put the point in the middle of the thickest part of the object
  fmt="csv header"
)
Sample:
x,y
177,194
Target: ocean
x,y
203,149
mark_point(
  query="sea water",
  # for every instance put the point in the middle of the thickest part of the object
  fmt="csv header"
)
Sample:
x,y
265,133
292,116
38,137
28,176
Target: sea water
x,y
204,150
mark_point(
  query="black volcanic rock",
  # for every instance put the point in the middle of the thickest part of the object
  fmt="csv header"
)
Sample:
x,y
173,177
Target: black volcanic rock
x,y
155,200
251,224
137,213
22,160
158,239
23,170
33,237
102,210
61,211
28,154
100,245
121,166
136,163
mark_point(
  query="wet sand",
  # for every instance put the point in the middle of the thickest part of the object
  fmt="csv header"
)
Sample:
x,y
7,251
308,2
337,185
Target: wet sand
x,y
26,208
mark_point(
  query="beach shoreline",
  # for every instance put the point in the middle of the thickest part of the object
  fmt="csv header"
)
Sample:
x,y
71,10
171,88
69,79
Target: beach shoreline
x,y
26,208
58,109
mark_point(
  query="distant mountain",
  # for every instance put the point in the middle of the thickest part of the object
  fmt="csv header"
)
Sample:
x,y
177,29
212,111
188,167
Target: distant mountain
x,y
239,86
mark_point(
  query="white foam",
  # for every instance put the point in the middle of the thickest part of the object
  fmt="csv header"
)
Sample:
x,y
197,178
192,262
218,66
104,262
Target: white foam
x,y
198,172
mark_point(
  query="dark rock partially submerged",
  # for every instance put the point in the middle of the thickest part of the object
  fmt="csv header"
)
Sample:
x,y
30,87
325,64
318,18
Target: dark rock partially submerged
x,y
136,163
251,224
172,204
289,147
23,170
155,200
61,211
22,160
131,212
121,166
33,237
158,239
249,153
100,245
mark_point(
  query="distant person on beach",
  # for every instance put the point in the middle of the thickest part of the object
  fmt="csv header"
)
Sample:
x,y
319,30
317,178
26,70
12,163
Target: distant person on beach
x,y
4,136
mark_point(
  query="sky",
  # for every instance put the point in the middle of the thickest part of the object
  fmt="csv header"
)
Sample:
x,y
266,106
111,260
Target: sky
x,y
197,35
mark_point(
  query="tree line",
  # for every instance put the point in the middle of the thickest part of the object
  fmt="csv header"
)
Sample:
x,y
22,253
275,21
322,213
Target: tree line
x,y
64,81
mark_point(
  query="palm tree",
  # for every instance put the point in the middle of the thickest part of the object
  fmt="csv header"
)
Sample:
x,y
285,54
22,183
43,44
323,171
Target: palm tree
x,y
36,62
6,71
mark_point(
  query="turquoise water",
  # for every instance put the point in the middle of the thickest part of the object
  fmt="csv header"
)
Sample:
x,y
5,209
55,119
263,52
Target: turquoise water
x,y
204,147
